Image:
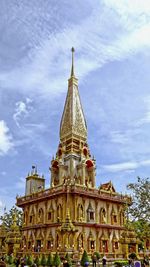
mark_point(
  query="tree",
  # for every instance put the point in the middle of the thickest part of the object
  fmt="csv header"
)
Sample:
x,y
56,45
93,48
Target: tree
x,y
50,260
8,217
57,260
140,208
85,259
139,211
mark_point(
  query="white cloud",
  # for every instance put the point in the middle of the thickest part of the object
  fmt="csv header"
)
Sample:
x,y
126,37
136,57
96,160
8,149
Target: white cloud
x,y
118,137
94,47
134,7
22,110
6,140
126,166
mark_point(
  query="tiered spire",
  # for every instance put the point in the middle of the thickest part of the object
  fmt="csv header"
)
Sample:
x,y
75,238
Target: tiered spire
x,y
73,121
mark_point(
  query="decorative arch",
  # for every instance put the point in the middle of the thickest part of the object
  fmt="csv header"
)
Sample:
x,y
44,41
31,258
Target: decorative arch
x,y
59,213
85,151
80,212
25,217
31,215
114,216
91,241
80,241
121,217
89,164
41,215
55,172
103,218
55,165
104,242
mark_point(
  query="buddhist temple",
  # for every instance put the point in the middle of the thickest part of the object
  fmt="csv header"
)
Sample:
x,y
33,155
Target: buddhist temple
x,y
73,214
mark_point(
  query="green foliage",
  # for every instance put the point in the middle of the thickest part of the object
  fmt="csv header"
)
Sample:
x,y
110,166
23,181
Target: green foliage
x,y
7,218
84,259
69,260
10,259
140,208
57,260
43,260
97,254
139,211
120,263
132,256
37,261
25,259
29,260
50,260
142,229
7,258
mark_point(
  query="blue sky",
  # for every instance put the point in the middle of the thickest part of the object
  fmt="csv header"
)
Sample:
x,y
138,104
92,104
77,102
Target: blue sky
x,y
112,63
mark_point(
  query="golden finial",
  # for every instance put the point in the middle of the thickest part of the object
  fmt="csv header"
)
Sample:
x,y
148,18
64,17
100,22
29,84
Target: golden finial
x,y
72,68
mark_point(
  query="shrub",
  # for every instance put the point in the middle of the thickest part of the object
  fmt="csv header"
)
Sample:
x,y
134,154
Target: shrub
x,y
43,260
29,260
132,256
97,254
120,263
57,260
50,260
84,259
37,261
10,259
69,260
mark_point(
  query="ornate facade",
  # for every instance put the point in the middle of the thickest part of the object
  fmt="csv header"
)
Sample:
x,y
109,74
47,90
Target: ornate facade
x,y
72,214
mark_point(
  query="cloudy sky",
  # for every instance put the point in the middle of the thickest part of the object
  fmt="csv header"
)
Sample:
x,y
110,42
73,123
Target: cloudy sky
x,y
112,62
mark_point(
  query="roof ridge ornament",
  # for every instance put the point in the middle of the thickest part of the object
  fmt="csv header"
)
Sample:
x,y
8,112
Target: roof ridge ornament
x,y
72,67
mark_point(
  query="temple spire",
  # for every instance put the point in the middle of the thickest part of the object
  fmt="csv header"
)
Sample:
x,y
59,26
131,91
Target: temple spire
x,y
73,121
72,67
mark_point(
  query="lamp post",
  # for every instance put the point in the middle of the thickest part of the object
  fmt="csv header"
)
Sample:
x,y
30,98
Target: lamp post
x,y
51,246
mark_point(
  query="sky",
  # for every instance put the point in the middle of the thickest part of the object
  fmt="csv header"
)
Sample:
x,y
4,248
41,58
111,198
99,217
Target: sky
x,y
112,62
